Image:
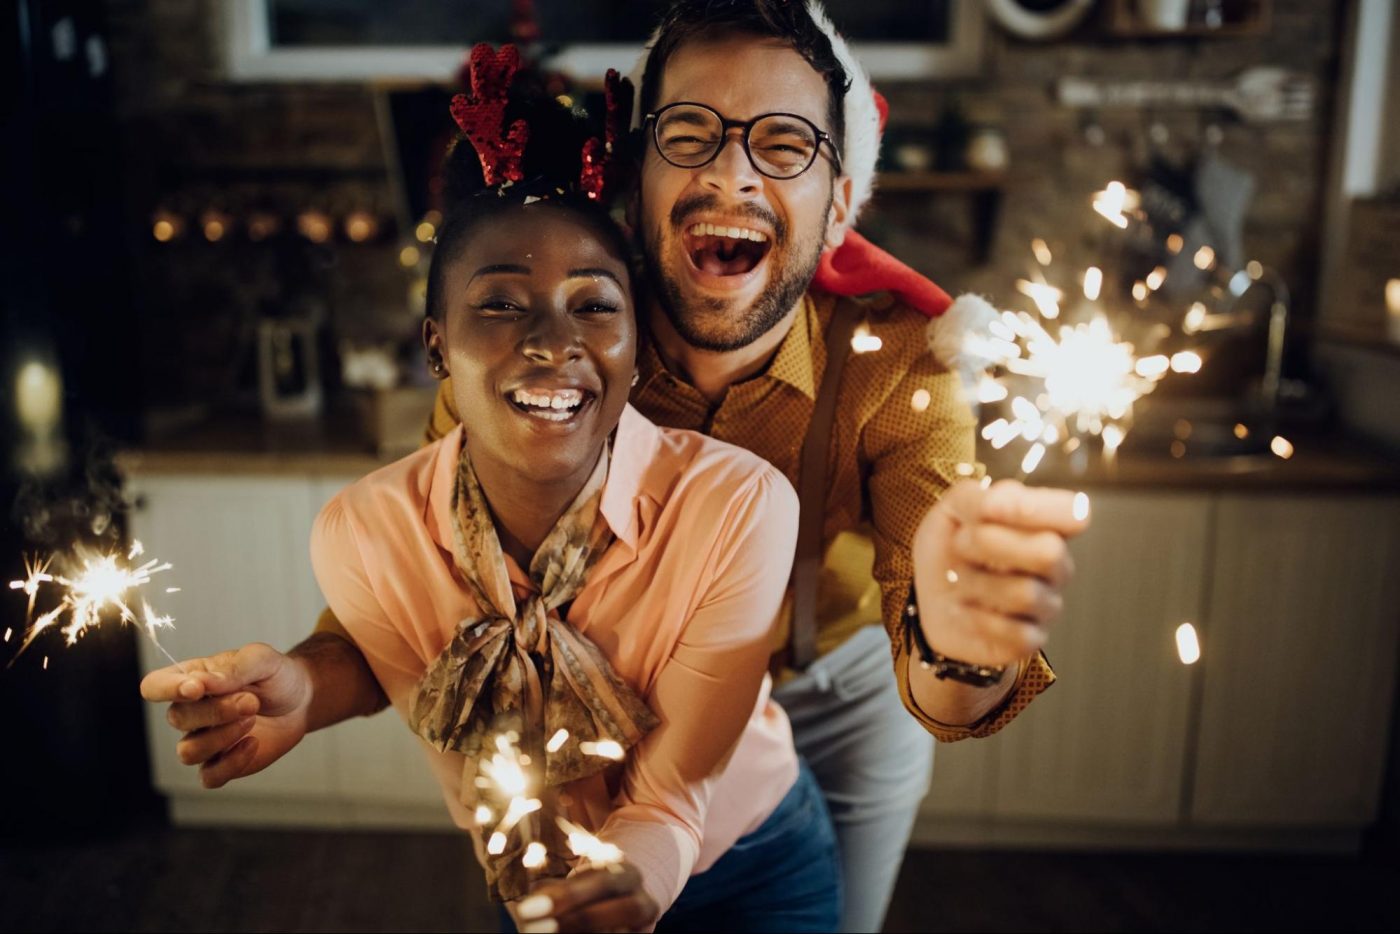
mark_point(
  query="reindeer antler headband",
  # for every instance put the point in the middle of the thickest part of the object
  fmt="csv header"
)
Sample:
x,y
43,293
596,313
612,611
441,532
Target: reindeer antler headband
x,y
481,116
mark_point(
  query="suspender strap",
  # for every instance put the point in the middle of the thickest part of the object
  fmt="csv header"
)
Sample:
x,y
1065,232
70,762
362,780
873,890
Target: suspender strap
x,y
812,487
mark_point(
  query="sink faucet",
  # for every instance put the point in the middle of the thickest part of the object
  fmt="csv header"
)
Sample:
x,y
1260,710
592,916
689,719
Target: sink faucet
x,y
1242,282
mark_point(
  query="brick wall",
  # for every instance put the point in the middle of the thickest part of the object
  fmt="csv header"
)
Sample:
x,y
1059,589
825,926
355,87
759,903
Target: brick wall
x,y
193,137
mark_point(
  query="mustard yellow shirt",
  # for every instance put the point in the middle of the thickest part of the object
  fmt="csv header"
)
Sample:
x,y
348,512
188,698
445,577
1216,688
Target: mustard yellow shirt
x,y
901,429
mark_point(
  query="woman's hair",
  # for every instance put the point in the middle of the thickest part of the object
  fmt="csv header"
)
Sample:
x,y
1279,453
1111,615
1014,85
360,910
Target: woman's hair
x,y
551,164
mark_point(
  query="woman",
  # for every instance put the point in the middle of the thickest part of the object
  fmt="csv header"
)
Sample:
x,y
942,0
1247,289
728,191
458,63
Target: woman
x,y
561,567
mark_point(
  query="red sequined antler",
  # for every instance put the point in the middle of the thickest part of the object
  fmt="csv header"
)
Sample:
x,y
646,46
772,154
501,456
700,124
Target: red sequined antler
x,y
482,112
600,164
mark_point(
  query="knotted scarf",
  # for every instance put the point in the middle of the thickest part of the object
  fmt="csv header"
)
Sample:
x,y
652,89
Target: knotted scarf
x,y
520,664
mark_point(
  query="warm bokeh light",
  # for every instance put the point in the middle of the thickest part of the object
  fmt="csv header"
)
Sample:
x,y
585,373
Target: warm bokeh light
x,y
1093,283
1188,645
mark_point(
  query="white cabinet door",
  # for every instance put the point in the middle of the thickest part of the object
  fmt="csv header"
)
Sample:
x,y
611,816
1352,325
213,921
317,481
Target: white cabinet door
x,y
1106,743
378,760
239,550
1299,650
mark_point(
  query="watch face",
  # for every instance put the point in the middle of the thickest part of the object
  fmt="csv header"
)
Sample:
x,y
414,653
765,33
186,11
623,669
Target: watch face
x,y
1038,19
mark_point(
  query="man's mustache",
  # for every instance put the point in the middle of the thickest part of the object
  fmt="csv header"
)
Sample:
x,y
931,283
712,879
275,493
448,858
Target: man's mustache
x,y
695,204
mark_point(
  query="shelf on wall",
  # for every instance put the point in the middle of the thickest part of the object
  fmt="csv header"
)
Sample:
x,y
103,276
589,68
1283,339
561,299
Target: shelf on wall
x,y
983,190
941,181
1244,18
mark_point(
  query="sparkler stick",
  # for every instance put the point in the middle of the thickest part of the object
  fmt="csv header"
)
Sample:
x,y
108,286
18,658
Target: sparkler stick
x,y
100,586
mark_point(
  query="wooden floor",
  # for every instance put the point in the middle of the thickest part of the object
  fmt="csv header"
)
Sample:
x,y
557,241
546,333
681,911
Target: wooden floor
x,y
154,878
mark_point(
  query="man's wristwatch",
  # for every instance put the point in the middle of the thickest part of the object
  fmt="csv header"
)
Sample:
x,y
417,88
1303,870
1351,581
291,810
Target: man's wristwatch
x,y
943,667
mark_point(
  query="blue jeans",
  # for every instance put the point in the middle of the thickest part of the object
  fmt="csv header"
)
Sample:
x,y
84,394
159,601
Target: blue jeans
x,y
872,760
784,876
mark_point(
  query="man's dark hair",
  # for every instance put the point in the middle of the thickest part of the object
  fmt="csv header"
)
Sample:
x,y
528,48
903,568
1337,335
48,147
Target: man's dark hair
x,y
785,20
552,159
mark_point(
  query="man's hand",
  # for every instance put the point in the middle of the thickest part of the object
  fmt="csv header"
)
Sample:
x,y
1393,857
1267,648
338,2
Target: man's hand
x,y
990,566
240,710
610,899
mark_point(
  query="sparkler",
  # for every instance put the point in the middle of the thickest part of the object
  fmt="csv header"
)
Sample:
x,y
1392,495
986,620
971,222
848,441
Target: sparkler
x,y
1068,371
508,775
100,586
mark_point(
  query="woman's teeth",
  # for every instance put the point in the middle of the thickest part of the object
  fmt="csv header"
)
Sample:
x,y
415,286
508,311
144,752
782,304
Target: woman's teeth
x,y
555,406
734,233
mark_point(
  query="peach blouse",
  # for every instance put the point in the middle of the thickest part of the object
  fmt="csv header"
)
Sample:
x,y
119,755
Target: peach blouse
x,y
682,604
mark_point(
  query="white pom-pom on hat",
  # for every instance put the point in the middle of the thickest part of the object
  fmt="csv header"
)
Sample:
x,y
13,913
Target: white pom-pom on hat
x,y
948,333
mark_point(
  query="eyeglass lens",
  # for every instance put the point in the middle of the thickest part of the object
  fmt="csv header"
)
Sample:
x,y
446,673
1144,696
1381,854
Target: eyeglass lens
x,y
779,145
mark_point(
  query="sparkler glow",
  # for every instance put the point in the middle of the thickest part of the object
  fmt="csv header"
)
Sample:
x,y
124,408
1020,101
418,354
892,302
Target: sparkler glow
x,y
1082,382
99,587
597,853
506,774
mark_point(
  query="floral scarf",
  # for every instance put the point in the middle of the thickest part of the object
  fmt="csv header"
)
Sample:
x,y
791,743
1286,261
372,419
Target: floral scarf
x,y
520,666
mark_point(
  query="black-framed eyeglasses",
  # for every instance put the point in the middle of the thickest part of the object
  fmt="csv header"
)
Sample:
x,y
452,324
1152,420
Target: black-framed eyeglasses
x,y
778,145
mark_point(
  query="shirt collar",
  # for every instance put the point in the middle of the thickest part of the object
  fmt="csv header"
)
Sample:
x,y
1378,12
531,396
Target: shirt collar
x,y
794,363
634,447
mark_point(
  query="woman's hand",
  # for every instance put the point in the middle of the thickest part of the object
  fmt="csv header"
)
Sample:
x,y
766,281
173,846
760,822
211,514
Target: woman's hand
x,y
610,899
239,711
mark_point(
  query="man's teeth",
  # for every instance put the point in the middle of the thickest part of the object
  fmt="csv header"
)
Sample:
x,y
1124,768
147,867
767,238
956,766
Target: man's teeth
x,y
558,400
734,233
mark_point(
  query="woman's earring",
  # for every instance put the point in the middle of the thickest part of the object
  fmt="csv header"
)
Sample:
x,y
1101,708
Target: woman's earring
x,y
437,369
636,377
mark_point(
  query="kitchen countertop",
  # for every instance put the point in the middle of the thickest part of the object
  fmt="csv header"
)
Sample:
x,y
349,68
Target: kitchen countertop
x,y
333,445
339,446
1328,463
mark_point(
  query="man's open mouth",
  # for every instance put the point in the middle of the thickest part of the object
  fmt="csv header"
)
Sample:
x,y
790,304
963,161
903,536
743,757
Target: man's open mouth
x,y
722,250
550,405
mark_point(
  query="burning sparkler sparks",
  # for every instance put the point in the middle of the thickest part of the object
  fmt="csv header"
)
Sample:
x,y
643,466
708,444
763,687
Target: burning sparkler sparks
x,y
1072,369
598,854
99,587
507,775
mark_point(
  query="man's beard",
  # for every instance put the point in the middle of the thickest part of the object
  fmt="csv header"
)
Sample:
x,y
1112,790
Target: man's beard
x,y
713,324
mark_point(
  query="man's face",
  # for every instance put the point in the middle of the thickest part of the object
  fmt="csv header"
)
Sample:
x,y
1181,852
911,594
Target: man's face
x,y
720,292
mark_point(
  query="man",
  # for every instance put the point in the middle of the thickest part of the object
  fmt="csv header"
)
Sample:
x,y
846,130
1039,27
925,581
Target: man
x,y
751,172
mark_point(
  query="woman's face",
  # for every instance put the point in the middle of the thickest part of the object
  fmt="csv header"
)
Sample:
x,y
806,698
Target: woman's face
x,y
539,335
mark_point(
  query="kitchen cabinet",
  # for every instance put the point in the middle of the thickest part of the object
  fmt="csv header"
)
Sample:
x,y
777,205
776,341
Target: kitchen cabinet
x,y
1300,661
1276,737
239,546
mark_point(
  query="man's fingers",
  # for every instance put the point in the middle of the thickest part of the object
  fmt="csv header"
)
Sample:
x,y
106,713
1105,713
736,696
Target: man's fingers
x,y
1018,596
235,763
211,712
983,637
1001,547
1035,508
203,745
